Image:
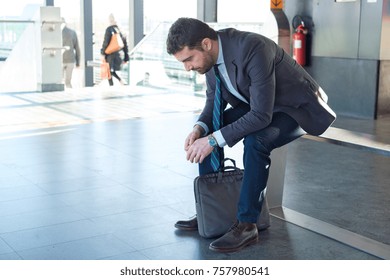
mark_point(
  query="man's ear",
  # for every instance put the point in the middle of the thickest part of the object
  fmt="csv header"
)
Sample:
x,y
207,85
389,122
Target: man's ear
x,y
206,44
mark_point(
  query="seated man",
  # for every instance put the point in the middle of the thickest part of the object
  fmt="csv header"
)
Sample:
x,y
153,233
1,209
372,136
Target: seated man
x,y
273,102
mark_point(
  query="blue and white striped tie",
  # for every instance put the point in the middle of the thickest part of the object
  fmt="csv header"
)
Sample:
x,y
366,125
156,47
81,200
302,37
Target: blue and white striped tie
x,y
217,120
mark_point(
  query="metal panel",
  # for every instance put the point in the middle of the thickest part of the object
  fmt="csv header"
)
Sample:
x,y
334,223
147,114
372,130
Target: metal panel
x,y
336,29
351,84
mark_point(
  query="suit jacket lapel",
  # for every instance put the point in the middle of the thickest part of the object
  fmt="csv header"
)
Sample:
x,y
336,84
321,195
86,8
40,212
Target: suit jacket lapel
x,y
229,59
232,72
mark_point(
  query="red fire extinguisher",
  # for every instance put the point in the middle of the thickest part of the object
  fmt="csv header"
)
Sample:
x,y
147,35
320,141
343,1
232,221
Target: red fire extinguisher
x,y
299,44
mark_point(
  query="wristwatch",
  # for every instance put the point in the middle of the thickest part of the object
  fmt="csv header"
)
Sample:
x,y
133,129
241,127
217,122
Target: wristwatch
x,y
212,141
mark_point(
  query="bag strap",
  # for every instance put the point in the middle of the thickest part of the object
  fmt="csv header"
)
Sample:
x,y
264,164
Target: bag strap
x,y
224,168
230,167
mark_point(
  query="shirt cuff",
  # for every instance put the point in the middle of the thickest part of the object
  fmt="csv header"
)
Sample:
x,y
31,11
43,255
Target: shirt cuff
x,y
220,140
204,126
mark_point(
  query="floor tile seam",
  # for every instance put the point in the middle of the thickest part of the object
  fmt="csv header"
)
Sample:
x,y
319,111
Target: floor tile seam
x,y
149,162
81,120
96,175
69,113
10,258
72,205
25,197
9,246
162,245
44,126
45,226
66,206
39,184
134,187
145,228
55,225
184,212
75,240
120,95
19,134
93,218
151,247
159,223
157,165
76,191
112,257
52,105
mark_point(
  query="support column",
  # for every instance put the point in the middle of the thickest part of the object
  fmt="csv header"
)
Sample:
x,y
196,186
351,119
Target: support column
x,y
136,23
207,10
48,32
86,27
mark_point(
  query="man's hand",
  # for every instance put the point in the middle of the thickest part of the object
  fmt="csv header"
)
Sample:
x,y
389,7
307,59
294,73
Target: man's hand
x,y
194,135
199,150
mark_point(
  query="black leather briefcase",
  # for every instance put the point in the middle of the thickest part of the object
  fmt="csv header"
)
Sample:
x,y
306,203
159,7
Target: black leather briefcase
x,y
216,197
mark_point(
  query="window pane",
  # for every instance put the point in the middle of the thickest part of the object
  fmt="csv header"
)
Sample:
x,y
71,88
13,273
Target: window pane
x,y
156,11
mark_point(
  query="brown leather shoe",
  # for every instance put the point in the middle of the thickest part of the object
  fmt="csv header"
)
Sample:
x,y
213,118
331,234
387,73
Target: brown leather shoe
x,y
239,236
191,224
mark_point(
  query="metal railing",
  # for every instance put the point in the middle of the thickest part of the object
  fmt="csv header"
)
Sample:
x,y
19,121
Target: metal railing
x,y
10,32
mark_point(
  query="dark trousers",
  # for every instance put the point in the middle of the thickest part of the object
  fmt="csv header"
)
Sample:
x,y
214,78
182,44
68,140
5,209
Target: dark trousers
x,y
257,150
113,74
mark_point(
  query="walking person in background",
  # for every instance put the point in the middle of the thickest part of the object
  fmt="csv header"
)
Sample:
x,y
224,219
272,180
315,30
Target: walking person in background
x,y
114,59
71,55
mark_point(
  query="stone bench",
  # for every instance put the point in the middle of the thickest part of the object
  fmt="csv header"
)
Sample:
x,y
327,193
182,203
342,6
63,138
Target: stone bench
x,y
336,136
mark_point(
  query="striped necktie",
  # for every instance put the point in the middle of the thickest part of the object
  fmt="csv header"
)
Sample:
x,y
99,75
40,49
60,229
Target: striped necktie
x,y
217,120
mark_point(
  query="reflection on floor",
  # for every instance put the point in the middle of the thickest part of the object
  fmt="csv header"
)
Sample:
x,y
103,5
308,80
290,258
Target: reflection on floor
x,y
102,175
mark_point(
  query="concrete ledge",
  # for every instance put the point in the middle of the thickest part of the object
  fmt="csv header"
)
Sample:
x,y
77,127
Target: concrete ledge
x,y
361,141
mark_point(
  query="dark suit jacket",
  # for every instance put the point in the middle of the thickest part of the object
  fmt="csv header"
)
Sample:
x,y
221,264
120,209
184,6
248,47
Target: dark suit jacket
x,y
271,81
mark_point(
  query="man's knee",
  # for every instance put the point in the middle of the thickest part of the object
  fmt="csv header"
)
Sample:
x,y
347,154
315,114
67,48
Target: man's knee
x,y
263,143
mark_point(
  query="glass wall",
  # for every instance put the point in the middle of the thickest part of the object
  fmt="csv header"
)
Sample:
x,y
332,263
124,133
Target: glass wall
x,y
151,66
18,9
16,41
155,14
71,12
156,11
244,11
12,25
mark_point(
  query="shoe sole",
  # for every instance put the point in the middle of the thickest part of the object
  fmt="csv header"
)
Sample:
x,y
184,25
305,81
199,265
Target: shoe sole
x,y
232,250
186,228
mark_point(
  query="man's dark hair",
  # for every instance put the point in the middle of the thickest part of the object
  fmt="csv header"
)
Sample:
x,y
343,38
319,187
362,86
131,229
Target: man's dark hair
x,y
188,32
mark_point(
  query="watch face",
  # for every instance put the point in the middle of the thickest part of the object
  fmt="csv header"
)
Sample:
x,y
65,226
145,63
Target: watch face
x,y
212,141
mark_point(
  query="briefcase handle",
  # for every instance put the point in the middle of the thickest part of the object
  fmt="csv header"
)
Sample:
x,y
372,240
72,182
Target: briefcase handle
x,y
224,168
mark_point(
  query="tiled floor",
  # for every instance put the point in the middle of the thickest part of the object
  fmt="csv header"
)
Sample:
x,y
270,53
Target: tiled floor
x,y
101,174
